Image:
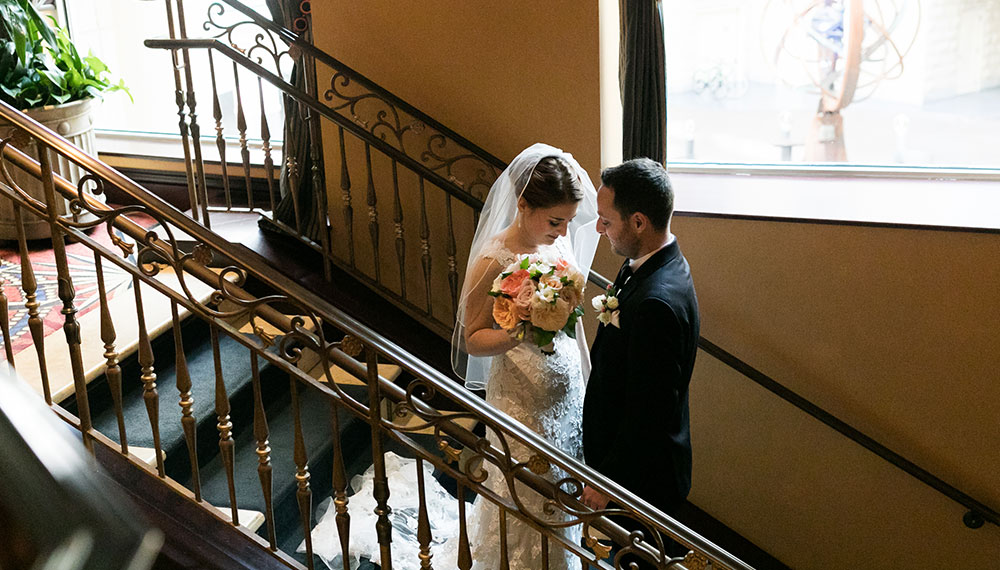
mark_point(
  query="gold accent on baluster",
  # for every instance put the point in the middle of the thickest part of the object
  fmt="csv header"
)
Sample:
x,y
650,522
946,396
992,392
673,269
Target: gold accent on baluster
x,y
451,454
188,421
148,378
345,194
423,523
696,561
30,286
261,434
351,346
538,465
340,499
303,493
398,222
112,371
383,528
373,215
241,126
452,261
464,551
600,549
220,140
425,246
225,426
67,293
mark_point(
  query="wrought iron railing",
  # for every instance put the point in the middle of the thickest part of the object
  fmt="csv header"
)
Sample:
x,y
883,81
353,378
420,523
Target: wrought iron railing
x,y
163,275
410,166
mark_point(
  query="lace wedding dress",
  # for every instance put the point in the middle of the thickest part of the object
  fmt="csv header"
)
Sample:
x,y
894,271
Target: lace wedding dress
x,y
543,392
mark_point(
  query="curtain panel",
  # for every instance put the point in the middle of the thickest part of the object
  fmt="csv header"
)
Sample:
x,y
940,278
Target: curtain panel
x,y
642,76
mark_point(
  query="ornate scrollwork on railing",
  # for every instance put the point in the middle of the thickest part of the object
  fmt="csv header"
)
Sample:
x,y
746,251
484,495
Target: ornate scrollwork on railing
x,y
567,491
251,39
410,135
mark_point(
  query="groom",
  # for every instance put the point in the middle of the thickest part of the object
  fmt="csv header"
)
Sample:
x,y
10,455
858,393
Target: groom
x,y
635,416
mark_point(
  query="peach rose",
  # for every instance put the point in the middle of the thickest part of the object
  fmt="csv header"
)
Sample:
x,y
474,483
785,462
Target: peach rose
x,y
551,281
549,316
503,313
522,301
572,295
512,283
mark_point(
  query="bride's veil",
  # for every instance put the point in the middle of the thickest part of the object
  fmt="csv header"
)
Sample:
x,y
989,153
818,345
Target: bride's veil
x,y
497,214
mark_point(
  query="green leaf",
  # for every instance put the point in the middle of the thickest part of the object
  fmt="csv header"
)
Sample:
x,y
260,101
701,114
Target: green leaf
x,y
542,337
525,263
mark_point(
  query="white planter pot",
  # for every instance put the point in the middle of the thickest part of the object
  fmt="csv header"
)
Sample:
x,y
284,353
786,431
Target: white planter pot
x,y
74,121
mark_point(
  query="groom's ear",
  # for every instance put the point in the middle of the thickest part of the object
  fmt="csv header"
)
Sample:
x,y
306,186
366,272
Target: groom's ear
x,y
639,221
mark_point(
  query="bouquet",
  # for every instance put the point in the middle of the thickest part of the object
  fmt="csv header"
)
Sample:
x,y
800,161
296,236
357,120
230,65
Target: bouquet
x,y
539,297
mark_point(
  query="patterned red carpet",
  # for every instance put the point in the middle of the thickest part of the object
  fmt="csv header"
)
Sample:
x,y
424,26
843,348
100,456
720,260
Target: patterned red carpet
x,y
80,259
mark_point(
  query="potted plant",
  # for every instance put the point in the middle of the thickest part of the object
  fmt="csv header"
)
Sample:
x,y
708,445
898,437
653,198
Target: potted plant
x,y
43,74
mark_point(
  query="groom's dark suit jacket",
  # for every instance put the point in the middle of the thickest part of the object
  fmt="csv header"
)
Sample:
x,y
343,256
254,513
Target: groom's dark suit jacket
x,y
635,416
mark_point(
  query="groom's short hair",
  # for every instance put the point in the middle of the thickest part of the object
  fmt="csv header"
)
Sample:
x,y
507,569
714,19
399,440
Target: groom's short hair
x,y
641,185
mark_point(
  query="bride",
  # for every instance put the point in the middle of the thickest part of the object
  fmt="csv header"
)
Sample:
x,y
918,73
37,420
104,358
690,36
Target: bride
x,y
543,203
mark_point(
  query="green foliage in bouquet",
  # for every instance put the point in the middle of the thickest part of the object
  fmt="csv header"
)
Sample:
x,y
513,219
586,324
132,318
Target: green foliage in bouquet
x,y
40,66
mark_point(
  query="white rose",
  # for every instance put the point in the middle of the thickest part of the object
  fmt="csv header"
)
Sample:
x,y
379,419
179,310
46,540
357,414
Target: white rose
x,y
604,317
598,303
612,303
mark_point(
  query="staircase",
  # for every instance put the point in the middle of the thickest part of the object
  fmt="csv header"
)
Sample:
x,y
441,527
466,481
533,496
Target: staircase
x,y
261,364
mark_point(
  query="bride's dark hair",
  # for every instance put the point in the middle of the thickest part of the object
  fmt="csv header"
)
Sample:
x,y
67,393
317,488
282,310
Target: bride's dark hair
x,y
552,182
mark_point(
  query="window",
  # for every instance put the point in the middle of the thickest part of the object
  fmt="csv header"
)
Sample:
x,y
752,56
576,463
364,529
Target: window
x,y
115,31
745,76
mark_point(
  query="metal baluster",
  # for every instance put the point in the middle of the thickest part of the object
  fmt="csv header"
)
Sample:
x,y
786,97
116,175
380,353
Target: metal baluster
x,y
188,422
112,371
66,294
224,426
181,119
340,499
199,163
220,141
423,523
383,528
303,493
425,245
265,133
345,193
464,551
504,559
30,286
148,378
5,326
293,182
400,242
545,551
452,261
241,126
373,214
260,433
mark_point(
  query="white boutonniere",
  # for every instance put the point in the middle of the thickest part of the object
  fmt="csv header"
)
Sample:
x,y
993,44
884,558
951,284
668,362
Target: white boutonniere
x,y
606,306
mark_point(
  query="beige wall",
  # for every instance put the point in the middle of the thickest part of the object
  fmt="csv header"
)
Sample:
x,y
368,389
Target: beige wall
x,y
894,331
501,74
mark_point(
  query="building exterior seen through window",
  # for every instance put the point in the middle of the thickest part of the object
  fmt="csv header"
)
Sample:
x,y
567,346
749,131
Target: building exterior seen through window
x,y
895,83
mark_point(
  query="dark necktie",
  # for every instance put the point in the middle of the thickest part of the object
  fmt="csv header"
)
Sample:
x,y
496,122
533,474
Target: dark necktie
x,y
623,275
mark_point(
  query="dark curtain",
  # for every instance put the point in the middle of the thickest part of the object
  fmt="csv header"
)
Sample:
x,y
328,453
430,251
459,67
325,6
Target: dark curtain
x,y
642,73
296,148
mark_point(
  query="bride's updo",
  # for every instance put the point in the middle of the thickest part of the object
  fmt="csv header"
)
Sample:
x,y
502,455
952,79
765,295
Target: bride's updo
x,y
552,182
